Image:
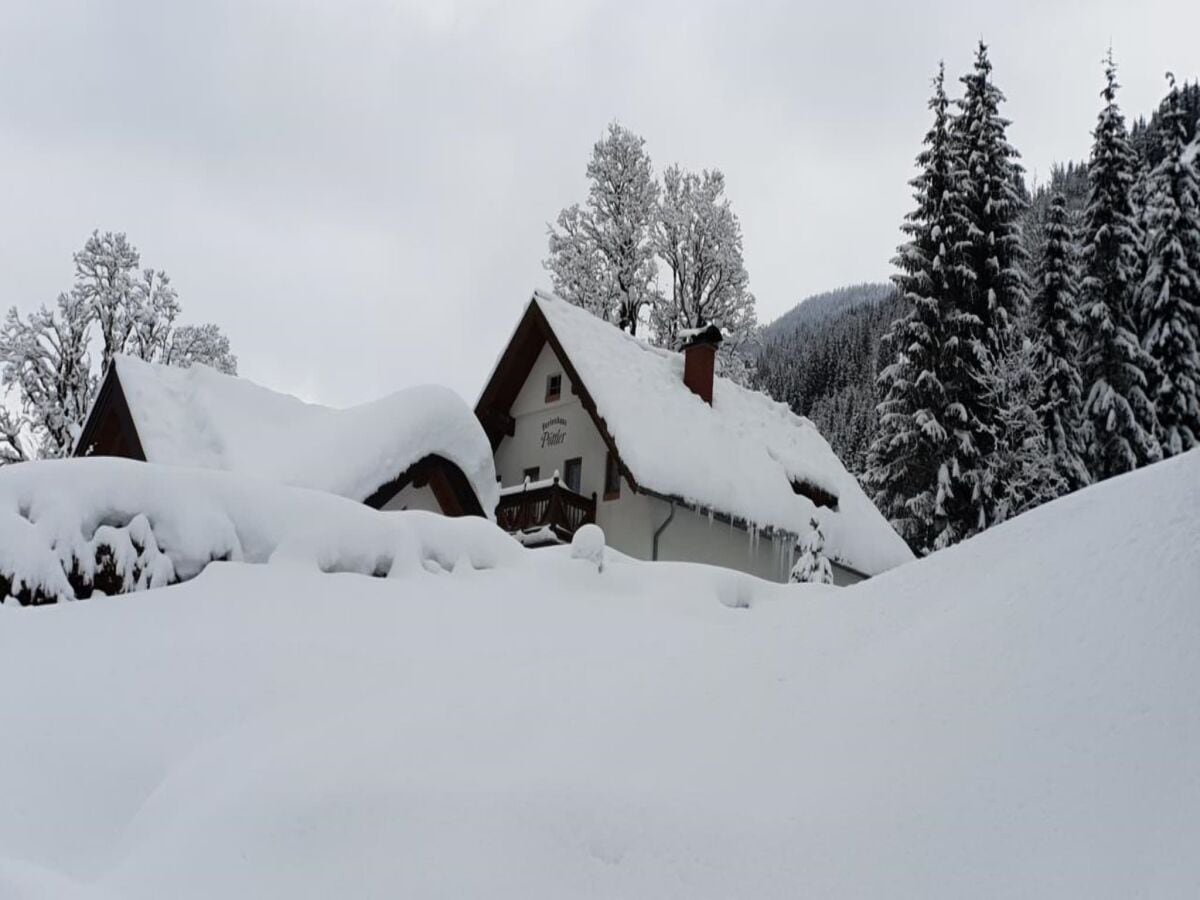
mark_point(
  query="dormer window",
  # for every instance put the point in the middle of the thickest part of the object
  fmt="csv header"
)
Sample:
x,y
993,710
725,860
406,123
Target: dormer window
x,y
819,496
553,387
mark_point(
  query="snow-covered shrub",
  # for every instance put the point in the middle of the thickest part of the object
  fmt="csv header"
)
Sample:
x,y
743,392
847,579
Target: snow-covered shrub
x,y
69,528
126,558
39,566
588,543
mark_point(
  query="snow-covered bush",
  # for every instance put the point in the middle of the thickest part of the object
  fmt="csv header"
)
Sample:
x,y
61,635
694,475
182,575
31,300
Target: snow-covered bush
x,y
588,544
72,527
115,559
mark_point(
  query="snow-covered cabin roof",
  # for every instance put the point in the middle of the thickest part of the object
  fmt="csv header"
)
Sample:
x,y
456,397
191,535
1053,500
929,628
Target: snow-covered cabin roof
x,y
745,456
204,418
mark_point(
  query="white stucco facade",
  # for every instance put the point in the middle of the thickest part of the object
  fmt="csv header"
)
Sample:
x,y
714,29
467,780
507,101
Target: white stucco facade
x,y
548,434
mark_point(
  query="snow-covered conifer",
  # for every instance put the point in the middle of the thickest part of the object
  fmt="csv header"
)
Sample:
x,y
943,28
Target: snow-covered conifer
x,y
1055,332
1119,418
1169,296
1026,471
989,293
813,566
914,450
990,259
601,257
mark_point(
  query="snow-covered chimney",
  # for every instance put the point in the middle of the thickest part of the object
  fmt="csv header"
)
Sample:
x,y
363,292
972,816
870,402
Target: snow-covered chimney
x,y
699,357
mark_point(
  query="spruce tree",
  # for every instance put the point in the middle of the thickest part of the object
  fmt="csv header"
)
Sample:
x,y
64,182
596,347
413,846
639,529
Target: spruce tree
x,y
1169,297
913,453
1118,414
989,292
1026,471
1055,347
813,566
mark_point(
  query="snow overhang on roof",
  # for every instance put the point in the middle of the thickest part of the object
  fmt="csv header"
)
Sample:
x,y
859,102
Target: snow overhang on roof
x,y
203,418
745,456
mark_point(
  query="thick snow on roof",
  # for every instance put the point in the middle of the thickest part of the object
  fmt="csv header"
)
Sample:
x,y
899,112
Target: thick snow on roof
x,y
739,456
200,417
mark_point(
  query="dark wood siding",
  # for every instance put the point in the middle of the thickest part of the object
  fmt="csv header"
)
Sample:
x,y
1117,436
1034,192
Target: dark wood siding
x,y
109,429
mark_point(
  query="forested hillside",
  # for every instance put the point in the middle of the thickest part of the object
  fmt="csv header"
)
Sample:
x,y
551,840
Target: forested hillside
x,y
1146,135
822,359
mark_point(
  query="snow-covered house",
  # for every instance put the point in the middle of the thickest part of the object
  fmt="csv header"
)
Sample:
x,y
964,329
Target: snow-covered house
x,y
419,448
589,424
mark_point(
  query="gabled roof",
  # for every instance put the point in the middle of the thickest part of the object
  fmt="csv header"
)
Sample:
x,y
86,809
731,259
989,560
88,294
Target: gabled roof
x,y
202,418
745,456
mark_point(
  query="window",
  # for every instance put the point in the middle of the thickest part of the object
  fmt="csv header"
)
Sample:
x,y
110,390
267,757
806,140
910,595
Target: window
x,y
553,387
573,473
612,478
531,474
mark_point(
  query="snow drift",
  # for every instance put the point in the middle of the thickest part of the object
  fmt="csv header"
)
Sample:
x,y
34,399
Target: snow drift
x,y
1017,716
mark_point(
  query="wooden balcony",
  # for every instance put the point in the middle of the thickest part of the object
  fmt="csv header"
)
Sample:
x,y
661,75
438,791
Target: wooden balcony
x,y
544,512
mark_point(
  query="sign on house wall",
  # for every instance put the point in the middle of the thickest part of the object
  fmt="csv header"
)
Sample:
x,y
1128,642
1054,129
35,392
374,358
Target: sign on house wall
x,y
554,432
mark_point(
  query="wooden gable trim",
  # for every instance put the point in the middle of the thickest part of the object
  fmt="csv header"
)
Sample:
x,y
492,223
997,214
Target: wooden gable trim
x,y
495,403
109,429
451,487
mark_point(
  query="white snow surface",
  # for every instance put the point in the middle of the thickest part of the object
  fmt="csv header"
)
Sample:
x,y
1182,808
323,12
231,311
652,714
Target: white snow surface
x,y
1016,716
200,417
739,456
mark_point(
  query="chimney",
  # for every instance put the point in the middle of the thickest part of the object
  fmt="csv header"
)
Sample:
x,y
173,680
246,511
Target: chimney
x,y
699,356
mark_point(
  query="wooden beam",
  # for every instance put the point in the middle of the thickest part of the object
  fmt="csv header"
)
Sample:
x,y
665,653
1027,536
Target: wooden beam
x,y
497,420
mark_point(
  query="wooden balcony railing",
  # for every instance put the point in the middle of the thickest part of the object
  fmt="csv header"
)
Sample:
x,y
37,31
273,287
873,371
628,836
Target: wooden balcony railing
x,y
544,512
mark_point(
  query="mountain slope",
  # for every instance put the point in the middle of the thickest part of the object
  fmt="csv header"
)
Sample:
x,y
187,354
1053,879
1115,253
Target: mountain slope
x,y
1015,716
822,359
814,311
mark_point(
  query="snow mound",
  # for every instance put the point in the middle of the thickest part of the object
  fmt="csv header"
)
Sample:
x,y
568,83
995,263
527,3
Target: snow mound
x,y
588,544
204,418
746,455
1014,717
68,527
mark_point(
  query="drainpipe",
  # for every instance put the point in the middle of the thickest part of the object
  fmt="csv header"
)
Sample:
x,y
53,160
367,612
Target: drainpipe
x,y
660,529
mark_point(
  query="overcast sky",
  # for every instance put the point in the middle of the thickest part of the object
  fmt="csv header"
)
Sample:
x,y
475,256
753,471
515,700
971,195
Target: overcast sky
x,y
358,192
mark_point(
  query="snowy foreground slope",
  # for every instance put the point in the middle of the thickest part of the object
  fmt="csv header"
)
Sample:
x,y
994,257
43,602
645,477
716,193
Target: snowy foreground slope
x,y
1018,716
